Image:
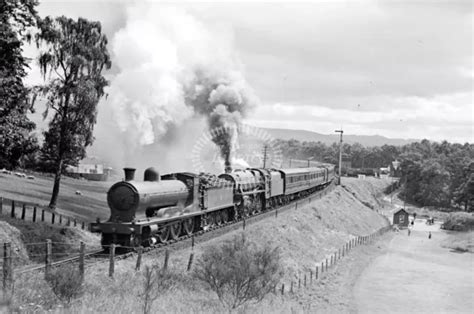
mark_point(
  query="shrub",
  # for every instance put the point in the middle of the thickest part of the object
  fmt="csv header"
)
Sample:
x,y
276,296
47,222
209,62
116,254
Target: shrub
x,y
459,221
156,281
66,282
239,271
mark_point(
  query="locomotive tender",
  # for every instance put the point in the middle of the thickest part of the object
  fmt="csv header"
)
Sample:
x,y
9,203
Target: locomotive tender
x,y
159,209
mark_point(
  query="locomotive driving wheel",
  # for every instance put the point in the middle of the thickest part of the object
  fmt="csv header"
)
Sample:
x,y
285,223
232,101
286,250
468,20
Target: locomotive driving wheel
x,y
188,226
217,218
163,234
224,216
175,230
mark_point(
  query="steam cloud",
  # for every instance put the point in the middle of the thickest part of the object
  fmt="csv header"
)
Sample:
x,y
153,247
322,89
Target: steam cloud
x,y
172,69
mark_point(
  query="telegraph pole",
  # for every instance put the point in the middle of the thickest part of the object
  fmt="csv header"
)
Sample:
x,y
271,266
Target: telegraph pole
x,y
340,153
265,148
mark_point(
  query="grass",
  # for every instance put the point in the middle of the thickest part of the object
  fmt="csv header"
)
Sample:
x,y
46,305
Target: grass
x,y
88,206
460,242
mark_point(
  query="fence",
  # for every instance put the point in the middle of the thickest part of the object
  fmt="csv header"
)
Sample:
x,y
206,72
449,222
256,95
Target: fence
x,y
34,213
79,257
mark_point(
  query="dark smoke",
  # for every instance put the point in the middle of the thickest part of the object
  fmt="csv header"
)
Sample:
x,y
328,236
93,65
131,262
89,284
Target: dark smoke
x,y
223,103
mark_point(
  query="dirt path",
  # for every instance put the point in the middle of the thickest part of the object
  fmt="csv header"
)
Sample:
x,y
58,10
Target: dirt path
x,y
417,275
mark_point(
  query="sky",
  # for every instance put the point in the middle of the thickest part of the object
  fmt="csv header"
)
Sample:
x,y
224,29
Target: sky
x,y
400,69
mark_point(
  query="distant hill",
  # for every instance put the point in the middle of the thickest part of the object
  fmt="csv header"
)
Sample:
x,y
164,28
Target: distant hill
x,y
309,136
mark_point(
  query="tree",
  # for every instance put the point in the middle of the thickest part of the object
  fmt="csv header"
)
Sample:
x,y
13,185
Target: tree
x,y
239,272
16,16
74,56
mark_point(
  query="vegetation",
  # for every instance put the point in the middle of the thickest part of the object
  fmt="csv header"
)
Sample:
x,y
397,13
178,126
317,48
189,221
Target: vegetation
x,y
459,222
239,272
156,281
74,58
16,17
66,282
431,173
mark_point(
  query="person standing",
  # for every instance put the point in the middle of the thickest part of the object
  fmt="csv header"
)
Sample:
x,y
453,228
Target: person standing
x,y
409,231
429,235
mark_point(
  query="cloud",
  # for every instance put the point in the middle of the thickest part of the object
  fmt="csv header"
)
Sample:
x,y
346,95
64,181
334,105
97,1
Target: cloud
x,y
399,69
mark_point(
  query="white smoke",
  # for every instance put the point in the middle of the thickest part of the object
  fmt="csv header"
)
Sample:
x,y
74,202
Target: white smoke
x,y
172,67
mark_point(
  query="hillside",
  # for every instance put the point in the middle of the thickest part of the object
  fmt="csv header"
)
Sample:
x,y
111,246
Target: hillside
x,y
87,204
309,136
304,236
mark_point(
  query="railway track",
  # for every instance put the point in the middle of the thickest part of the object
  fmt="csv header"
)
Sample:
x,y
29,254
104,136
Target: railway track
x,y
191,240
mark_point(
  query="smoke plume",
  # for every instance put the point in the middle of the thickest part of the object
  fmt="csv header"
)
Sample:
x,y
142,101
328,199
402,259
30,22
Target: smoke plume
x,y
173,68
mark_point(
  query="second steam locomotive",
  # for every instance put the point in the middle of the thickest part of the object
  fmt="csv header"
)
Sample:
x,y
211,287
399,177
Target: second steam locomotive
x,y
159,209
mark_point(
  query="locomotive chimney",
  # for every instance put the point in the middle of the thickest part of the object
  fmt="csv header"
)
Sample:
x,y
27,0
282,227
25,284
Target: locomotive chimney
x,y
151,175
228,168
129,173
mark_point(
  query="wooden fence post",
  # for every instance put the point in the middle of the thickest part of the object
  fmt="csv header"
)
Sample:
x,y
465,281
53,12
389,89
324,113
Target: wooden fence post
x,y
190,263
282,289
82,251
316,274
23,210
304,281
112,260
52,218
167,257
322,267
47,258
7,267
331,261
60,219
75,222
139,258
13,209
291,289
310,277
42,215
34,214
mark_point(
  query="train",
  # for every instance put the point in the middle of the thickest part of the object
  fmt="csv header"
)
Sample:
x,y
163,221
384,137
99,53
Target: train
x,y
164,208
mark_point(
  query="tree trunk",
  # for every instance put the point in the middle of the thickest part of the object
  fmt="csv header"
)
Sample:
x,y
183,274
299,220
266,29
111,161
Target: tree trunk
x,y
57,181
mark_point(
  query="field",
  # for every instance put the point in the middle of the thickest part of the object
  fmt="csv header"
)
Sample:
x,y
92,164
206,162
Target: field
x,y
92,202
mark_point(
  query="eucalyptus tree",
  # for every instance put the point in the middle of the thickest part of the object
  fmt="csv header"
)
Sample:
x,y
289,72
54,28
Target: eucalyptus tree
x,y
16,17
73,56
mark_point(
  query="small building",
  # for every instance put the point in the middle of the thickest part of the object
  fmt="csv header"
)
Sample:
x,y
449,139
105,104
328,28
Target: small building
x,y
400,218
90,169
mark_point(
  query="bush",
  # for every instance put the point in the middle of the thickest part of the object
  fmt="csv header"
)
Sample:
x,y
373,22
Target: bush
x,y
66,282
459,221
156,281
239,272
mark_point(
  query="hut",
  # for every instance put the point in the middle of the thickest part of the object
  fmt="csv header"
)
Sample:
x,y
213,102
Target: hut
x,y
400,218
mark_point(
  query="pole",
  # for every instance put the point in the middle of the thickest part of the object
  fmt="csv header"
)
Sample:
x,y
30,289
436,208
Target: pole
x,y
265,148
340,153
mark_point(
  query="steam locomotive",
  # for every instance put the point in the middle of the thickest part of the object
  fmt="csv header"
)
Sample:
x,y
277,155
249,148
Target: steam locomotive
x,y
163,208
